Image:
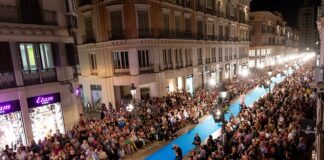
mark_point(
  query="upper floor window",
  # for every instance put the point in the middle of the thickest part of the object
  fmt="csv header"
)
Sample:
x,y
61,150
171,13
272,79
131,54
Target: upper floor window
x,y
143,58
121,60
116,25
220,54
93,63
88,25
167,57
177,24
5,60
36,56
143,22
166,25
187,24
199,55
210,3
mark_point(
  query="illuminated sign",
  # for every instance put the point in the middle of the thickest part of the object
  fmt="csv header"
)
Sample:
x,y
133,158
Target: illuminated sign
x,y
9,107
43,100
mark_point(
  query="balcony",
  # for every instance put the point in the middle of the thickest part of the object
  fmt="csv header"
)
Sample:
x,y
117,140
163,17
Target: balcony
x,y
32,77
179,65
121,71
207,60
117,35
12,14
200,8
188,63
146,69
184,35
88,39
145,33
168,66
200,36
210,11
7,80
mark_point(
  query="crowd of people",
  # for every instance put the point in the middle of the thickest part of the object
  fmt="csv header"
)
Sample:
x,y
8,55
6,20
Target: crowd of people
x,y
121,133
270,129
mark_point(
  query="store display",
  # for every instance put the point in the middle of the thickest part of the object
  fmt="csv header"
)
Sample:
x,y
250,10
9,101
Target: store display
x,y
46,120
11,130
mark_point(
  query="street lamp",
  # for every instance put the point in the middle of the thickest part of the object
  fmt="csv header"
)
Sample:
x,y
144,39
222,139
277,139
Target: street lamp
x,y
133,90
223,91
130,107
270,72
212,82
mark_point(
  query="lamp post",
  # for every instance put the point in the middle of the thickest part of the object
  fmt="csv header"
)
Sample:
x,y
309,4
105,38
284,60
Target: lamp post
x,y
219,113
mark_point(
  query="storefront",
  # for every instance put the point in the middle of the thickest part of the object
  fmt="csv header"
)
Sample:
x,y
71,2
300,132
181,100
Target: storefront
x,y
46,115
189,84
12,130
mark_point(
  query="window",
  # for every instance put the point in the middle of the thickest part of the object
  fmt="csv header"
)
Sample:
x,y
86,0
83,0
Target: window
x,y
213,54
178,57
230,53
28,56
116,23
220,31
5,60
36,56
143,58
88,26
220,54
199,55
188,25
188,57
93,62
166,26
167,58
177,24
199,27
210,3
121,60
46,55
143,22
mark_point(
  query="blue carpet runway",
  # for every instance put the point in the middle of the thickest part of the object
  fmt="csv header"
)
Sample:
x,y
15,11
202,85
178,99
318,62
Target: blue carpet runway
x,y
208,127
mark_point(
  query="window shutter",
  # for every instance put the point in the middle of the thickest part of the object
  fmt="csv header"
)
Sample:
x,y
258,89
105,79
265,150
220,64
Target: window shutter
x,y
56,54
71,54
5,60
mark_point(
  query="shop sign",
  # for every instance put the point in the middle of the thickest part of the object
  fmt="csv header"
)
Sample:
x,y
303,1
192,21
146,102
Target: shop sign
x,y
43,100
9,107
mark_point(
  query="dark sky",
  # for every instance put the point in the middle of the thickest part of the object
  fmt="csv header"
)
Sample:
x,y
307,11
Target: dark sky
x,y
289,8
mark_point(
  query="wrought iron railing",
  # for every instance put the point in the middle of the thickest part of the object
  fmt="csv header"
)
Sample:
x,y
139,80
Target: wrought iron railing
x,y
32,77
13,14
7,80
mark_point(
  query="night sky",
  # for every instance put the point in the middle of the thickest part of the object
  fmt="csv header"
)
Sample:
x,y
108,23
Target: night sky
x,y
289,8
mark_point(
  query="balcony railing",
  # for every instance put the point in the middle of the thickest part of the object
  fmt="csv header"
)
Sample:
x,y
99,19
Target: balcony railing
x,y
179,65
88,39
32,77
117,35
207,60
168,66
200,36
199,8
210,11
145,33
149,68
7,80
12,14
188,63
122,71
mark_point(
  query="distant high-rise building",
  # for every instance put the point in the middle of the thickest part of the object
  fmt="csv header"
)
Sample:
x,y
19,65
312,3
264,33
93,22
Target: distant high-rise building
x,y
306,25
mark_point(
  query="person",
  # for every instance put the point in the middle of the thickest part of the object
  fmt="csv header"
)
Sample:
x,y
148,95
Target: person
x,y
197,140
178,152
